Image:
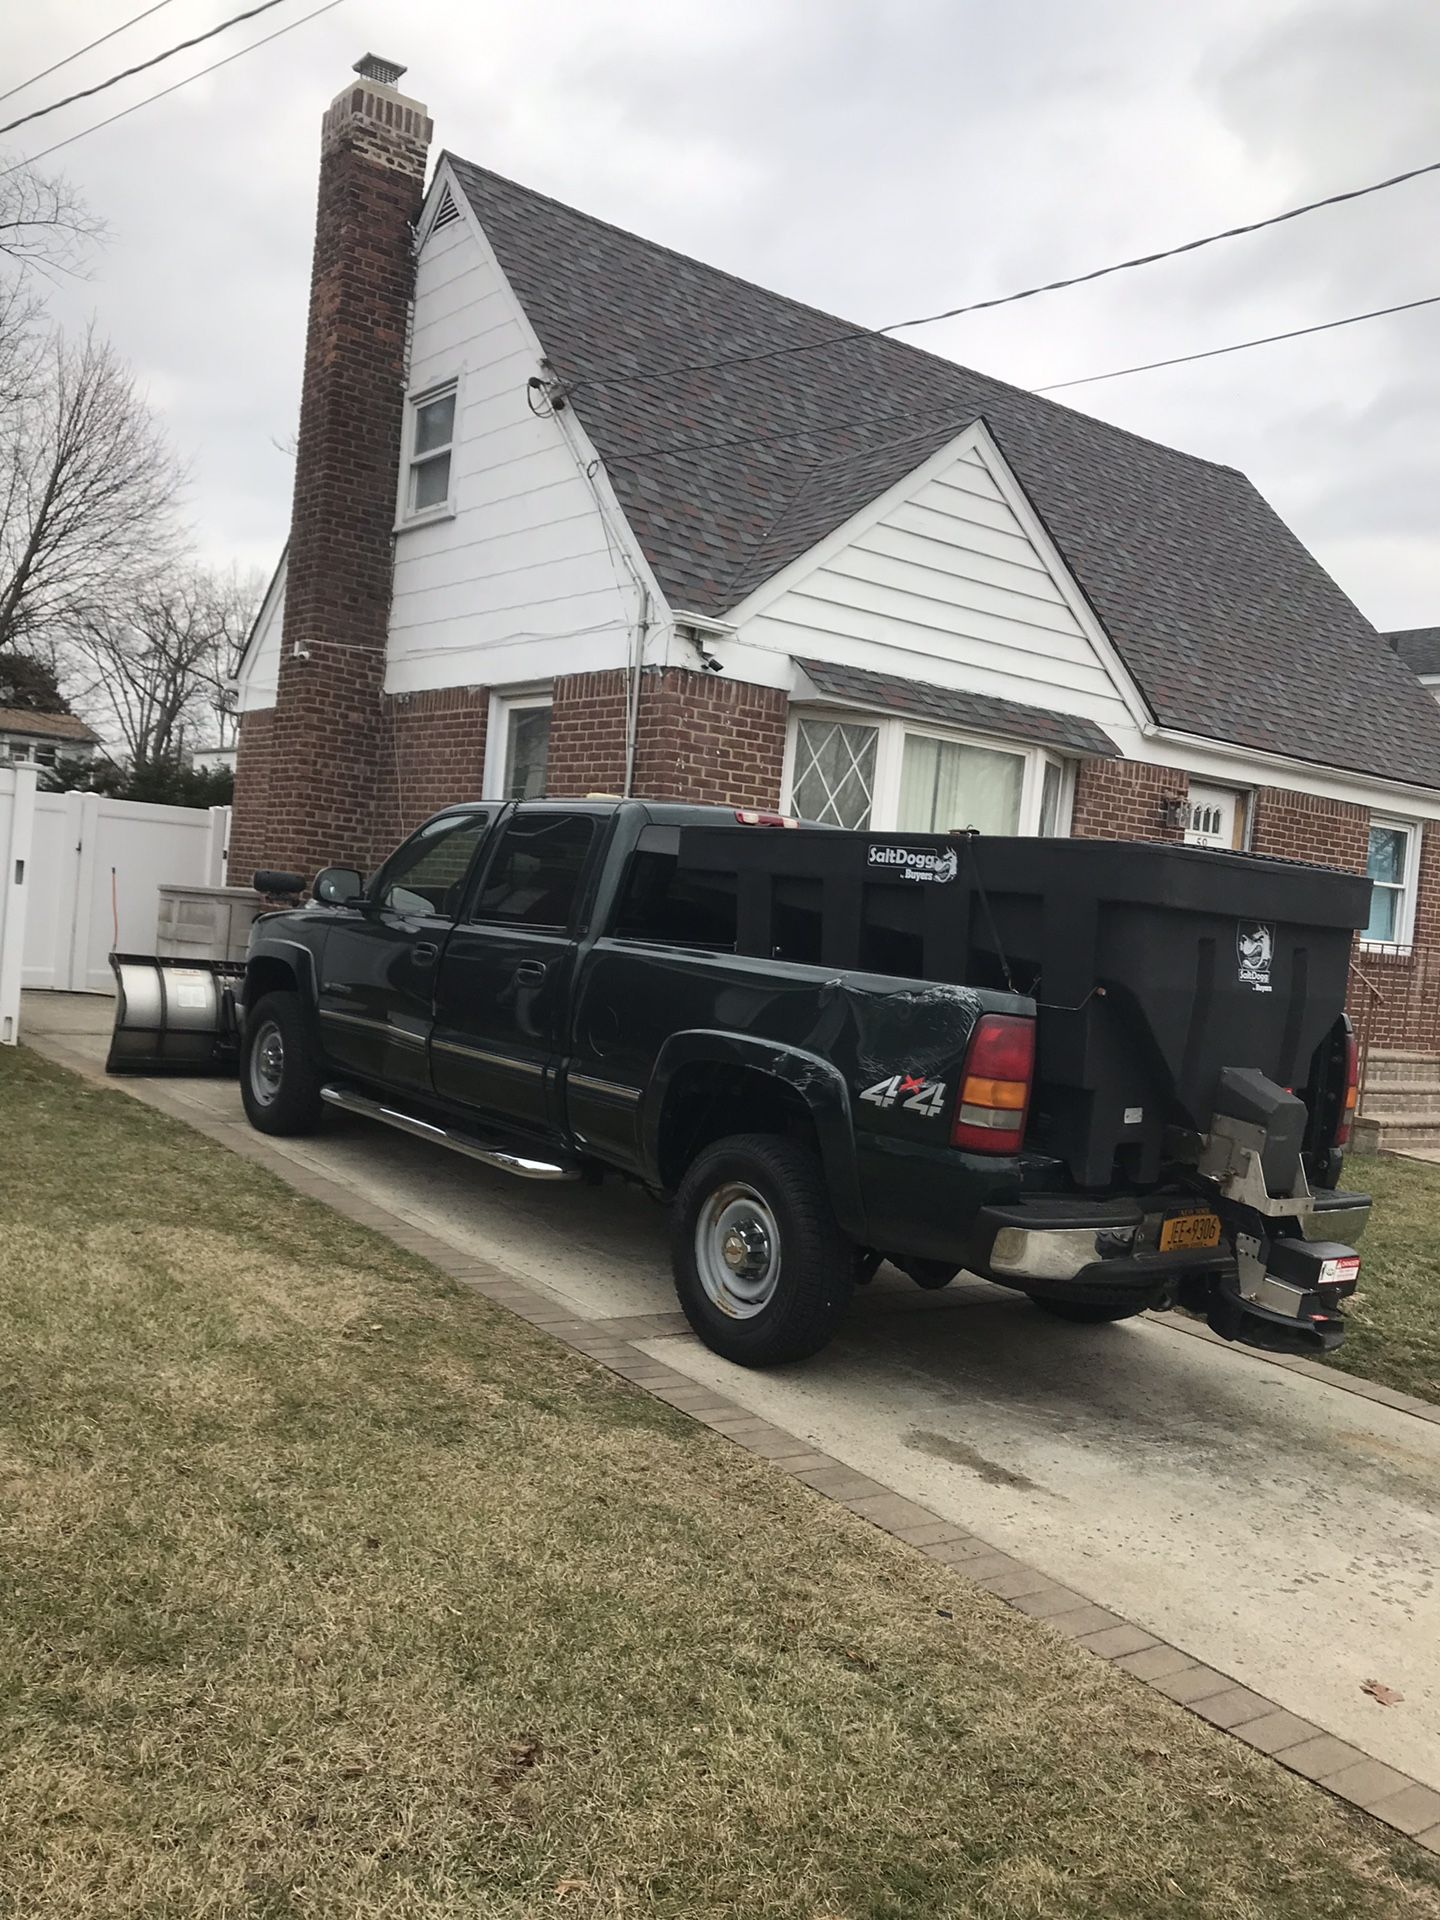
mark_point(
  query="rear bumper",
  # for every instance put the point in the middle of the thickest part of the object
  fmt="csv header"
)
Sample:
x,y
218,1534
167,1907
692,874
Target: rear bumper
x,y
1103,1252
1106,1252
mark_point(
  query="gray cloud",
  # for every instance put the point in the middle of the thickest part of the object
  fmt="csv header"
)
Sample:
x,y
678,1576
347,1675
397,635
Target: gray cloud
x,y
876,157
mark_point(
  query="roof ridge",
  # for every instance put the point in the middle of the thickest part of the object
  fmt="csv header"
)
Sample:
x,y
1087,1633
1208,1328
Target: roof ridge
x,y
872,335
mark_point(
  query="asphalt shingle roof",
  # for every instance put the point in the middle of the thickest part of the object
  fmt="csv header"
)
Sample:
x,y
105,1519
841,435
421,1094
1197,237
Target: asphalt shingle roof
x,y
1008,719
1230,628
1418,647
45,726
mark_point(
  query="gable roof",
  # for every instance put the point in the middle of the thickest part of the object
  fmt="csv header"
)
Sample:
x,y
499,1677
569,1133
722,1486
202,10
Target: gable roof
x,y
46,726
1228,626
1418,647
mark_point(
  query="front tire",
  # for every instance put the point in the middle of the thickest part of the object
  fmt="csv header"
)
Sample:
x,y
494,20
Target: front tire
x,y
279,1074
1084,1313
762,1270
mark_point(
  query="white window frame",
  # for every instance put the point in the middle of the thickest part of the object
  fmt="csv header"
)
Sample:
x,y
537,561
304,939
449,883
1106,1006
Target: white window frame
x,y
892,730
1408,891
407,516
497,735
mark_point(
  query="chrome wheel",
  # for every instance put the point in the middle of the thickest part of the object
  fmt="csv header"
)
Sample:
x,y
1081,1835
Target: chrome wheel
x,y
737,1250
267,1064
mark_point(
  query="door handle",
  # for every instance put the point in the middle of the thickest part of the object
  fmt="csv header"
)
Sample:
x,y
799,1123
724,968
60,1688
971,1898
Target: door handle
x,y
424,953
530,973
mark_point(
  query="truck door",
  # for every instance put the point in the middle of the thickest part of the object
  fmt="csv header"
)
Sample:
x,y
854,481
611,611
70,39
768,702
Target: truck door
x,y
504,988
377,986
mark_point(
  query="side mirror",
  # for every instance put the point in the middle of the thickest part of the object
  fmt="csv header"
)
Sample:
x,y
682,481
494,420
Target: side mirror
x,y
338,886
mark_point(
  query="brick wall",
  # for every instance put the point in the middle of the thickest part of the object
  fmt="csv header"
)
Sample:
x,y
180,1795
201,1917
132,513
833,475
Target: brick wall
x,y
313,802
701,737
706,738
587,734
1304,826
1125,800
251,819
431,754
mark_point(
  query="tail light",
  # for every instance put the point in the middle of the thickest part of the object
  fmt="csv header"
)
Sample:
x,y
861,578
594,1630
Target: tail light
x,y
1352,1089
748,817
995,1085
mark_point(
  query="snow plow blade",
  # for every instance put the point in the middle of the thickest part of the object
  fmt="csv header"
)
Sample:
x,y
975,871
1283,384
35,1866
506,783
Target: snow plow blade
x,y
175,1016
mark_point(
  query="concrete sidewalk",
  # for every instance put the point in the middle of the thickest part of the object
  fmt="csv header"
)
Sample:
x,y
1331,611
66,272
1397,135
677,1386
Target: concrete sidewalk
x,y
1265,1537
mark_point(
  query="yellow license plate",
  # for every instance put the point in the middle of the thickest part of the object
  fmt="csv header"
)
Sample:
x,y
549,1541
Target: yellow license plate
x,y
1190,1230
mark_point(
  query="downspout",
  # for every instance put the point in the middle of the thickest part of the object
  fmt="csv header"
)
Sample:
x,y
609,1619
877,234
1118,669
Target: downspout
x,y
637,664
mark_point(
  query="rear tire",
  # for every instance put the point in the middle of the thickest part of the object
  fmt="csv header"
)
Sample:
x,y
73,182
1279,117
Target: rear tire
x,y
279,1073
762,1270
1084,1313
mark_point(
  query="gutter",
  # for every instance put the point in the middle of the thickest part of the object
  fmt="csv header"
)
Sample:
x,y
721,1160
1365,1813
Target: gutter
x,y
1287,763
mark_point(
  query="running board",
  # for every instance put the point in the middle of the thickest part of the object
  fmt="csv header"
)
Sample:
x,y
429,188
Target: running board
x,y
522,1165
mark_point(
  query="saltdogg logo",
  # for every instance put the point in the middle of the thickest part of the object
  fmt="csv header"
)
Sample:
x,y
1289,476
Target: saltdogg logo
x,y
1254,951
919,863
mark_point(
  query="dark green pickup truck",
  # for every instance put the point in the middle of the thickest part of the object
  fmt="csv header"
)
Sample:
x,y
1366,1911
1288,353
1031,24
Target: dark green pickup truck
x,y
1112,1076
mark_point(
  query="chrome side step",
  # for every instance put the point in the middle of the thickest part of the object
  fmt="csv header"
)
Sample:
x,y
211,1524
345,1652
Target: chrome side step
x,y
500,1158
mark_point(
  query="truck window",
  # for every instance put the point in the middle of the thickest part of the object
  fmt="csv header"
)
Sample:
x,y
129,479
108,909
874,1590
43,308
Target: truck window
x,y
659,902
427,874
535,875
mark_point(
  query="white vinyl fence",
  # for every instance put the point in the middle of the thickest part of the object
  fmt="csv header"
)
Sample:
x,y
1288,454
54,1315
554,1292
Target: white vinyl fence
x,y
80,880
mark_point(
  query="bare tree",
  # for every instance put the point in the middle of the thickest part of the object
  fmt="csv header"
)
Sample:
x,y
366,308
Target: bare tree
x,y
156,671
44,224
88,483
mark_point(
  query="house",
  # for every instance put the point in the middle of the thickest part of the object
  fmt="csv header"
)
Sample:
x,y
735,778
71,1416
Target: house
x,y
574,512
1419,648
41,739
213,759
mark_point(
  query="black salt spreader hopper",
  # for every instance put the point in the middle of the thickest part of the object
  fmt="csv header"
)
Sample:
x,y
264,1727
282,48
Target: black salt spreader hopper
x,y
1196,1074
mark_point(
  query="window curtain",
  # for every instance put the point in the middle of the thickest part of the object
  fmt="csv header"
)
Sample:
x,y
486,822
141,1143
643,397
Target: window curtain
x,y
946,785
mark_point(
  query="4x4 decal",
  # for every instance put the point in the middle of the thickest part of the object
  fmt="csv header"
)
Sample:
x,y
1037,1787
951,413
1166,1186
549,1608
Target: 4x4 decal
x,y
912,1090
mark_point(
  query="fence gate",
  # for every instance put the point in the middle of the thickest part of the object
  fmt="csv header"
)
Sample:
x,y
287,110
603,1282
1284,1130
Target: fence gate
x,y
80,879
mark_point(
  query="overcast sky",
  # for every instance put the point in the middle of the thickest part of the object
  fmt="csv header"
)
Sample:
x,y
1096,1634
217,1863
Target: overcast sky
x,y
879,158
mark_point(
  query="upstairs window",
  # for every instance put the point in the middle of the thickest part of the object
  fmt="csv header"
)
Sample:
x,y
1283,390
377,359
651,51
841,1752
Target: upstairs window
x,y
432,439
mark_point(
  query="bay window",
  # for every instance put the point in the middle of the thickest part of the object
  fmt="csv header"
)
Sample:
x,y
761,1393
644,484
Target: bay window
x,y
849,770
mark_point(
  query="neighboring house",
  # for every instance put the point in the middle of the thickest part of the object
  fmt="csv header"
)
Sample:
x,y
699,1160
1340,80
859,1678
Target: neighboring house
x,y
574,513
1419,648
41,739
214,759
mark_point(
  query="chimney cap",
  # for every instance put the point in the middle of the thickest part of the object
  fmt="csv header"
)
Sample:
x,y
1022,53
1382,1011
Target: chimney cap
x,y
384,72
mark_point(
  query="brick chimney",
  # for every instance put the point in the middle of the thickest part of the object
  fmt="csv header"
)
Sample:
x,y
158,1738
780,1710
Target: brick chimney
x,y
304,800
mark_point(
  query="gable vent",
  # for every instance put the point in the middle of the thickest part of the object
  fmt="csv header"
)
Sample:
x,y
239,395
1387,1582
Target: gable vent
x,y
445,212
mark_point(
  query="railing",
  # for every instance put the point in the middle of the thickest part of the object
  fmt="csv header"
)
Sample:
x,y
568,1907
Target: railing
x,y
1394,998
1363,1002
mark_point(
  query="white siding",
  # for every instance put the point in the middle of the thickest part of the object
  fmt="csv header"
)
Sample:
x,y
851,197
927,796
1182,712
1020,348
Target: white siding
x,y
519,583
945,584
259,674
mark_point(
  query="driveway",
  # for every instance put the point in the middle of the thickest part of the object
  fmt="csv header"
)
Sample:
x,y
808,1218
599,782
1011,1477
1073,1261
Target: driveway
x,y
1282,1528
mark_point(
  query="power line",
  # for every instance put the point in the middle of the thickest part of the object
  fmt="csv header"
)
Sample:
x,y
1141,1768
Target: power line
x,y
45,72
962,415
175,87
1265,340
142,66
1009,299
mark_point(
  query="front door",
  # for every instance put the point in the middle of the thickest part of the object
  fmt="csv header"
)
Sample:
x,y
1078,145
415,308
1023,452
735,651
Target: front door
x,y
504,986
1216,818
377,990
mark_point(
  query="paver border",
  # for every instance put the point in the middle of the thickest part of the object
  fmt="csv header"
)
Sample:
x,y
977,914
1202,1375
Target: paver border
x,y
1352,1776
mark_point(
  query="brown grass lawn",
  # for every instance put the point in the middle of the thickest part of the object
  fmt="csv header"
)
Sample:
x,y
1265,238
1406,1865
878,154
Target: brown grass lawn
x,y
330,1591
1395,1318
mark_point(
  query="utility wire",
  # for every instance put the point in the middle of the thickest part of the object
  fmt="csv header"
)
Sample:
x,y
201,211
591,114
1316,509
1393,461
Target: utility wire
x,y
1214,353
45,72
962,415
175,87
1009,299
142,66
